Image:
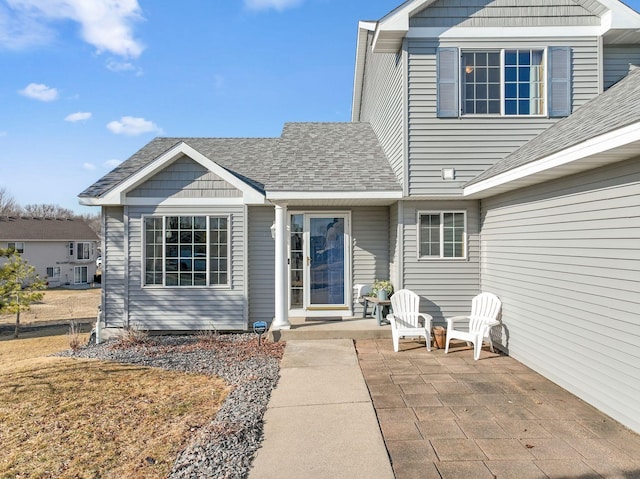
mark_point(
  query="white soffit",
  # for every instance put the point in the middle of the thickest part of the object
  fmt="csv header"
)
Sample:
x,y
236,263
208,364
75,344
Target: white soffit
x,y
612,147
117,196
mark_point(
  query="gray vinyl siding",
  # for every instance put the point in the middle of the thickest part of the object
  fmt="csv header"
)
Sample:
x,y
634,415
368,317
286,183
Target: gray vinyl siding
x,y
187,308
504,13
446,286
617,60
564,258
382,104
261,257
185,178
370,234
113,271
471,144
395,265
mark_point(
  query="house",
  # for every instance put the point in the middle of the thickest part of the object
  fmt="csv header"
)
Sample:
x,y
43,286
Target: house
x,y
493,146
62,250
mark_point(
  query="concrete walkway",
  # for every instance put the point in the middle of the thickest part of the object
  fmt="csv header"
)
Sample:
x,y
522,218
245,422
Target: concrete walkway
x,y
320,422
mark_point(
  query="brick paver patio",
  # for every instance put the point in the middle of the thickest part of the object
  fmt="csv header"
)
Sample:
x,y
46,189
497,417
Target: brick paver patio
x,y
452,417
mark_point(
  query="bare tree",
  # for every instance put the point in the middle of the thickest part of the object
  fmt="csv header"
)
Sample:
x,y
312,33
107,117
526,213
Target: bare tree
x,y
93,221
8,206
43,210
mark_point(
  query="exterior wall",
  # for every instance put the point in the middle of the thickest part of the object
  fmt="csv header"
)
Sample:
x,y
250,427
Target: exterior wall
x,y
383,105
504,13
185,178
564,258
186,308
446,286
370,235
395,236
617,60
261,257
471,144
113,266
49,254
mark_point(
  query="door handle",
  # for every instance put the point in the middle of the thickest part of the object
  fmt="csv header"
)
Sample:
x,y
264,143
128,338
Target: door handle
x,y
308,261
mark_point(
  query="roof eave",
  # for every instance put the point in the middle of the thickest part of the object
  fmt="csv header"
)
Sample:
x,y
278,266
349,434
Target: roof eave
x,y
602,150
117,196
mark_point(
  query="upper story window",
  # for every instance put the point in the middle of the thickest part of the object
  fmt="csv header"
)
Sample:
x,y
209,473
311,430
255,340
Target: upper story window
x,y
83,250
186,250
18,247
509,82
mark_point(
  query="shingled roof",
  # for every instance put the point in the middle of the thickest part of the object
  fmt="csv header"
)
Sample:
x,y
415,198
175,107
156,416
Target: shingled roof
x,y
615,108
307,157
18,228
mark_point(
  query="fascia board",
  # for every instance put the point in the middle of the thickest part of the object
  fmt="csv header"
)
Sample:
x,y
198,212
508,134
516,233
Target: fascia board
x,y
586,149
332,195
393,27
620,16
361,59
117,196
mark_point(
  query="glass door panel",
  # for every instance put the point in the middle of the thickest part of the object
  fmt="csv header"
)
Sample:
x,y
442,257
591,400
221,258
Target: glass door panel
x,y
297,261
326,259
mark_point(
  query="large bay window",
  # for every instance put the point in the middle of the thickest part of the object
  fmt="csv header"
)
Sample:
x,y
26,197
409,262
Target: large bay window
x,y
442,234
186,250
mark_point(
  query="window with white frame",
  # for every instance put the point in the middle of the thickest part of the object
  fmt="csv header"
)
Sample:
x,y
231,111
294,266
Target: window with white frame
x,y
83,250
186,250
80,274
507,81
18,247
53,272
442,234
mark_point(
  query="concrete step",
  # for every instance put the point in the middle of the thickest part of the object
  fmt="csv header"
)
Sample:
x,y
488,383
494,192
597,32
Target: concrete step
x,y
347,328
314,334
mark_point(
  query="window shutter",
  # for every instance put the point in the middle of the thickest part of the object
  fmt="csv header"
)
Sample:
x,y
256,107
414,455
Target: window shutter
x,y
448,70
559,81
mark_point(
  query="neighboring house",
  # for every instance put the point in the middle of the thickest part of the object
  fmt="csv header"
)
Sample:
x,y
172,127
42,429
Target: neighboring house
x,y
63,251
486,152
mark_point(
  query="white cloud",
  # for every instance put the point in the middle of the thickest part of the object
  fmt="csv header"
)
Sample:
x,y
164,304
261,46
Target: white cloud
x,y
118,66
105,24
88,166
38,91
111,163
79,116
279,5
131,126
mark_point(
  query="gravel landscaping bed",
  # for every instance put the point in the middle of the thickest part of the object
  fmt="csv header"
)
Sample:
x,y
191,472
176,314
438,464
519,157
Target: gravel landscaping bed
x,y
225,447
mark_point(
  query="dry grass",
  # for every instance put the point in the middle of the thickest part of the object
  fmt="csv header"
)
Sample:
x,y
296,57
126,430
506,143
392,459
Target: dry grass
x,y
60,304
71,418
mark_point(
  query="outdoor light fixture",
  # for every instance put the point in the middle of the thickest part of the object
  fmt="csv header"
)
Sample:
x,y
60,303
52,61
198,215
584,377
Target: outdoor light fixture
x,y
273,231
448,173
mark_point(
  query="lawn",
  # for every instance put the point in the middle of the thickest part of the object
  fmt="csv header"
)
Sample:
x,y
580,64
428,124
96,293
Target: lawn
x,y
73,418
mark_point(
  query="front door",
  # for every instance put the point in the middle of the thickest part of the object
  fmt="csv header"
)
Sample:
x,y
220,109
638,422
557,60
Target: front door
x,y
319,259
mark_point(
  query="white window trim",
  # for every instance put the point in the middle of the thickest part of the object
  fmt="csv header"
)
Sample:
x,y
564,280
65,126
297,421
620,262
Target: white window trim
x,y
86,246
143,257
55,269
502,114
16,246
75,269
441,257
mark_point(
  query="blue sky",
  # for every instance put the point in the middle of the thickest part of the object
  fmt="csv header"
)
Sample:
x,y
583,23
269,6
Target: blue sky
x,y
85,84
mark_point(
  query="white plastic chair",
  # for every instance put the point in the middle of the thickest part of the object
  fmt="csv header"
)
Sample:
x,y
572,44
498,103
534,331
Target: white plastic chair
x,y
406,320
485,312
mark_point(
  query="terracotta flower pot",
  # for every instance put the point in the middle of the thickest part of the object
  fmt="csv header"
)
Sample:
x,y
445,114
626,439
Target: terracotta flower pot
x,y
439,337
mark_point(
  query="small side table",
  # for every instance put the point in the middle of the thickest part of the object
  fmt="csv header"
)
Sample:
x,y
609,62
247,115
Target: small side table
x,y
380,308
